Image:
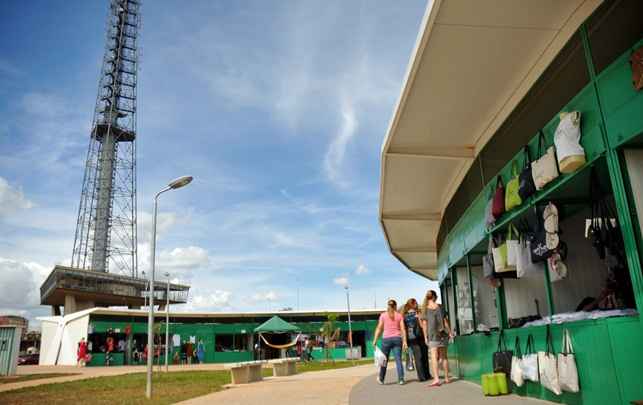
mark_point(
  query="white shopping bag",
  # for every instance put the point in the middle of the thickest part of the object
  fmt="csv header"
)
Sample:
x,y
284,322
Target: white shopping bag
x,y
548,367
516,371
567,372
529,362
380,358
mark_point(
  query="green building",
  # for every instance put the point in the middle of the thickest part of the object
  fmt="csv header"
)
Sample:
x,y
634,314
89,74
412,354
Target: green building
x,y
485,80
226,337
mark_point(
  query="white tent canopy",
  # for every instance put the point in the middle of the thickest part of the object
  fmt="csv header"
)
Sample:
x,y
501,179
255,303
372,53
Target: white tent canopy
x,y
473,62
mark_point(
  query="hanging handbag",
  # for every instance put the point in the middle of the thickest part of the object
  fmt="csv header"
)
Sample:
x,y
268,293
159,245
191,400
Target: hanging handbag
x,y
636,63
538,241
513,246
567,371
498,207
544,169
487,261
524,265
527,187
512,197
550,224
516,365
548,367
502,356
569,152
529,363
556,267
500,256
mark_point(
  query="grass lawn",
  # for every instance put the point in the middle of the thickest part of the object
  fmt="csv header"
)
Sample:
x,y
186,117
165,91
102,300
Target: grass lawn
x,y
29,377
130,388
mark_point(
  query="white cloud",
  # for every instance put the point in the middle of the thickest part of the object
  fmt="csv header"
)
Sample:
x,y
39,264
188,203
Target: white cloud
x,y
268,296
183,259
20,284
12,199
341,281
361,269
164,222
216,299
337,149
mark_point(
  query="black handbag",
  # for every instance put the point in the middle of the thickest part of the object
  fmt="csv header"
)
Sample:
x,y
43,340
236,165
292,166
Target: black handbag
x,y
538,241
502,356
527,187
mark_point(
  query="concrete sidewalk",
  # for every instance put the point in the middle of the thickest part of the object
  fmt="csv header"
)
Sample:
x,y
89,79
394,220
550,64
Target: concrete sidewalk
x,y
81,373
330,387
370,392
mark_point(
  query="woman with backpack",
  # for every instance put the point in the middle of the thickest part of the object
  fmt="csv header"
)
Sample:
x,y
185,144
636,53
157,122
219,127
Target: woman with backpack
x,y
391,324
415,339
437,333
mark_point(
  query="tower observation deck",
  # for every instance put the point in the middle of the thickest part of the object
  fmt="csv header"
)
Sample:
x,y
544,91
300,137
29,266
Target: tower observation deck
x,y
106,234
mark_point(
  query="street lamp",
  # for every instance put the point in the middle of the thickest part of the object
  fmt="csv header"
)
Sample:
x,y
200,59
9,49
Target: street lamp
x,y
178,183
350,329
167,319
147,288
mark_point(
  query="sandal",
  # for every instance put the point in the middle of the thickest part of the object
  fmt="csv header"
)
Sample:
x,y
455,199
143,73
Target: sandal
x,y
435,384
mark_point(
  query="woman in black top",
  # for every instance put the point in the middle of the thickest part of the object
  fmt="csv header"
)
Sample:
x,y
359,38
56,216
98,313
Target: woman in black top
x,y
415,339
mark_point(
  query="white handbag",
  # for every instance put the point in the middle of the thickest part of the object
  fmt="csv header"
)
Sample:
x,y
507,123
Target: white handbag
x,y
513,246
557,268
529,362
516,368
570,153
548,367
524,266
567,371
545,168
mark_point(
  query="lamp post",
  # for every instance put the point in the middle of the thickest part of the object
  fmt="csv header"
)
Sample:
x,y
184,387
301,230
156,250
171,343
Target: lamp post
x,y
350,328
178,183
147,288
167,320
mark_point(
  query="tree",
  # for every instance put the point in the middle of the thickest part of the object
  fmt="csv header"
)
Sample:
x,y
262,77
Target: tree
x,y
330,333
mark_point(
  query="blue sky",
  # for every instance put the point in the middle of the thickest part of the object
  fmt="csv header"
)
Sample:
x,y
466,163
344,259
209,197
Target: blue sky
x,y
278,109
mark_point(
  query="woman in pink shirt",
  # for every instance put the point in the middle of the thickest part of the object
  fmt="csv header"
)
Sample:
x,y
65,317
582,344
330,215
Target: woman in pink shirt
x,y
393,339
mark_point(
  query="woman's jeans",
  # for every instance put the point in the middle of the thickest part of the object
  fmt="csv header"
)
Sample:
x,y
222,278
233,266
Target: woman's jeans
x,y
393,344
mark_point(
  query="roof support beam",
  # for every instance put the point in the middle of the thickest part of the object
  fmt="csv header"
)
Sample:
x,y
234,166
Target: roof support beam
x,y
455,152
412,216
421,249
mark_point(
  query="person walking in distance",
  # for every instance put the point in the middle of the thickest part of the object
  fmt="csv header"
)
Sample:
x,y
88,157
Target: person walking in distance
x,y
391,323
81,354
415,339
437,332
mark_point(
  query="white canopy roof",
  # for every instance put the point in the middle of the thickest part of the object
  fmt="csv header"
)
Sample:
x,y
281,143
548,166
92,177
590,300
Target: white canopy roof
x,y
473,62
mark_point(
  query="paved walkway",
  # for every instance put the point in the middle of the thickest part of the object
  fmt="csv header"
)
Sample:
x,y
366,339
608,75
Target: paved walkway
x,y
89,372
370,392
331,387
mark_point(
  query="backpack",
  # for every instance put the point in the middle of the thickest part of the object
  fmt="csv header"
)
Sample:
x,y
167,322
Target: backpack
x,y
412,326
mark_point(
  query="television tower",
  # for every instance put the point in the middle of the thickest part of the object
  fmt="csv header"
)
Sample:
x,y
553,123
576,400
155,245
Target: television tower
x,y
104,267
106,227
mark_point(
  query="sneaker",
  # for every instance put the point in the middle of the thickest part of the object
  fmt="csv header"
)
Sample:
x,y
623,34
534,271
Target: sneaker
x,y
401,382
380,382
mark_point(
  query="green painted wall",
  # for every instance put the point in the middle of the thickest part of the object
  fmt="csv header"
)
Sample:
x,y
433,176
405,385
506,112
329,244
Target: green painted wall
x,y
607,358
208,333
609,352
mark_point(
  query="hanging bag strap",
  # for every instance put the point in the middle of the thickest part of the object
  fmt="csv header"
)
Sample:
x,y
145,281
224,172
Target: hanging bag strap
x,y
527,157
541,143
499,182
514,169
567,343
517,350
501,342
529,347
550,342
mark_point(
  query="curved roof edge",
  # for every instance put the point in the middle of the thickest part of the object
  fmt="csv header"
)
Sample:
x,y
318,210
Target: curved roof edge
x,y
471,65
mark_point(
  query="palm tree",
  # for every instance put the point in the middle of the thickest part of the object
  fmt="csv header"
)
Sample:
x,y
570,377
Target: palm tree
x,y
330,332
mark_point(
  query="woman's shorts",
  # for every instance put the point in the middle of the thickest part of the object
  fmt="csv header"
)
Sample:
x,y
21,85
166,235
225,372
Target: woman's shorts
x,y
439,343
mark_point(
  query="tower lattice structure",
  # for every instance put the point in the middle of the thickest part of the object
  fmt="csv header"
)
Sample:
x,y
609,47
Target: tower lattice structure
x,y
106,238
